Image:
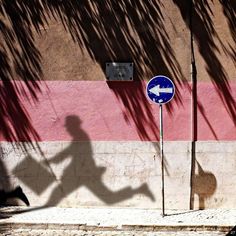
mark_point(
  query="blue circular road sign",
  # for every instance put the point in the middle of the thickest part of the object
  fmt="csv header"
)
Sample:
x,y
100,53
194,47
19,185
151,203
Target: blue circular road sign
x,y
160,89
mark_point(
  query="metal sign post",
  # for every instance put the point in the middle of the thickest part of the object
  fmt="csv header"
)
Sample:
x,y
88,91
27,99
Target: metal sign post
x,y
160,90
162,162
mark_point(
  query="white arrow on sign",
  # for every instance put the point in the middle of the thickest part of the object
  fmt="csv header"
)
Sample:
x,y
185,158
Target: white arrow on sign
x,y
157,90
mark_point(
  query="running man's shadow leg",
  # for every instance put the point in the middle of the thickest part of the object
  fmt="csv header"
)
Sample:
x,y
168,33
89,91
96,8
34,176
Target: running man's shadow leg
x,y
100,190
112,197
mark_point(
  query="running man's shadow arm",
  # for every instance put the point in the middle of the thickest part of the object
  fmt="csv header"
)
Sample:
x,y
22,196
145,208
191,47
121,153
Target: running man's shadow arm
x,y
59,156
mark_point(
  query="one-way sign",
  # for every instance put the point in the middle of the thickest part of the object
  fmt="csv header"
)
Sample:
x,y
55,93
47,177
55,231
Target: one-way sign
x,y
160,89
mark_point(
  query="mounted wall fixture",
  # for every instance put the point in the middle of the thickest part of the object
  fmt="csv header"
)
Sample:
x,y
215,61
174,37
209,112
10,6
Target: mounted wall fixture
x,y
119,71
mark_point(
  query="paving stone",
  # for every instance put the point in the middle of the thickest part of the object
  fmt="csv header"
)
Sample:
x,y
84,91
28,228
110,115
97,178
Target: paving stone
x,y
28,232
113,222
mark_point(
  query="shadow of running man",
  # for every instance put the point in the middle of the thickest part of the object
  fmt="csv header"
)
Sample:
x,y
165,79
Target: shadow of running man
x,y
83,171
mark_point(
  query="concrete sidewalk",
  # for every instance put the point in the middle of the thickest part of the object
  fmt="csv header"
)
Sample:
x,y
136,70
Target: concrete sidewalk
x,y
112,219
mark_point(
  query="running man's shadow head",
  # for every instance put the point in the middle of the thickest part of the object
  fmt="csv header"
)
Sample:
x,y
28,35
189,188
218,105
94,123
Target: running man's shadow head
x,y
72,125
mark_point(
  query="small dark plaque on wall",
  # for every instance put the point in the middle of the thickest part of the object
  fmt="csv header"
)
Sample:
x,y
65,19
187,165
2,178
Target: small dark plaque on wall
x,y
119,71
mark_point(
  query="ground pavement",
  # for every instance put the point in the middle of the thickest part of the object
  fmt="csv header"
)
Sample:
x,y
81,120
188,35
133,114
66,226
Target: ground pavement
x,y
21,221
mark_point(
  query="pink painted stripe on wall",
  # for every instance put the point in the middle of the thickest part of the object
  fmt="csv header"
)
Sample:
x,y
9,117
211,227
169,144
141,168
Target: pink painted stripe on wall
x,y
120,111
216,111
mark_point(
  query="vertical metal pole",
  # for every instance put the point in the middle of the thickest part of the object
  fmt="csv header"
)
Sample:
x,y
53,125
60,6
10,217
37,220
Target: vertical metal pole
x,y
194,121
162,161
